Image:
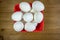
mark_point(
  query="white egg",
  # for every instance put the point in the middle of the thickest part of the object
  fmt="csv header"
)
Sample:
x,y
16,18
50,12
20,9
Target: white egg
x,y
24,6
30,27
28,17
38,17
17,16
38,6
18,26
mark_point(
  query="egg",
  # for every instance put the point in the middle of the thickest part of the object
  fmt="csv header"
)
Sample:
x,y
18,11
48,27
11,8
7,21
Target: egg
x,y
28,17
30,27
25,6
38,6
18,26
17,16
38,17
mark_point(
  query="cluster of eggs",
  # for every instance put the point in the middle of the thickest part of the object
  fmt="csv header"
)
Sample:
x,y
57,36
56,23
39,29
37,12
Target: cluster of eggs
x,y
28,17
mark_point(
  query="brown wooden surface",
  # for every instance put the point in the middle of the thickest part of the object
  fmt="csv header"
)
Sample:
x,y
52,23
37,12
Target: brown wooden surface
x,y
52,22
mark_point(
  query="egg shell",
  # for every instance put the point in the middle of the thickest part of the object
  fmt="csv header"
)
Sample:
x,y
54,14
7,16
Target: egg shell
x,y
18,26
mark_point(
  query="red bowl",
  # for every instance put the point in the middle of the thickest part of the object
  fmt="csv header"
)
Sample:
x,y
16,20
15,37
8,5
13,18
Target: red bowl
x,y
40,26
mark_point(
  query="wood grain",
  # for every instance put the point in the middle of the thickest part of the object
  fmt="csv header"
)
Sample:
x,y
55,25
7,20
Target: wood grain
x,y
52,22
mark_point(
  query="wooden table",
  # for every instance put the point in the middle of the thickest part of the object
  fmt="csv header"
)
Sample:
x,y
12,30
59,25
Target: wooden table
x,y
52,22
